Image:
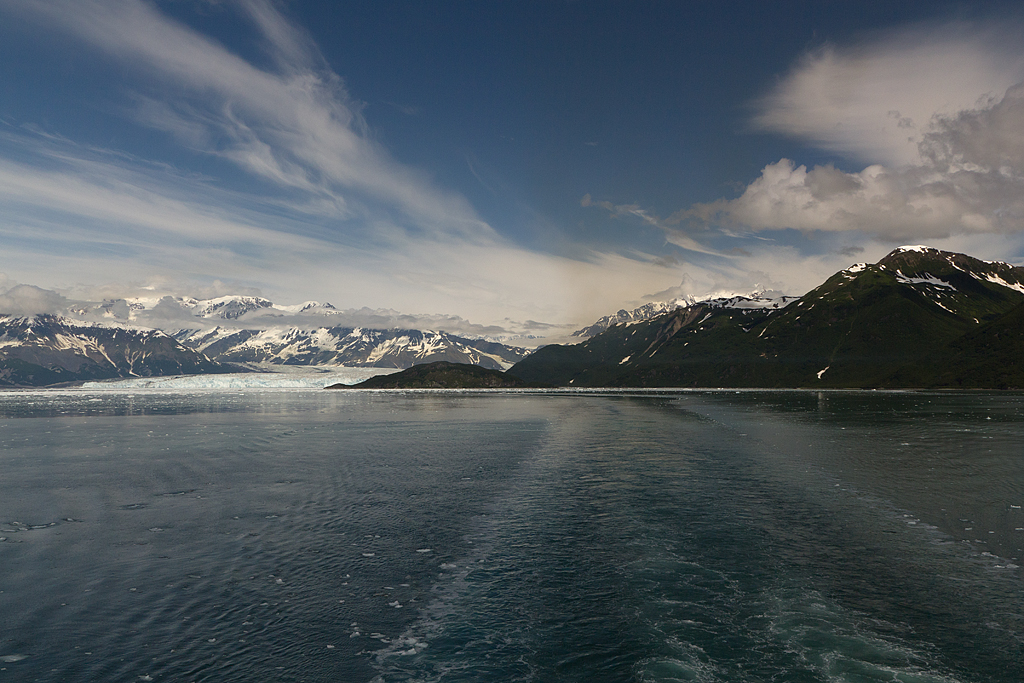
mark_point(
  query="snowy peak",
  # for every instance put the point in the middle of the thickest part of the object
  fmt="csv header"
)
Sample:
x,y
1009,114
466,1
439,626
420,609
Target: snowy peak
x,y
938,273
225,307
233,307
755,300
308,307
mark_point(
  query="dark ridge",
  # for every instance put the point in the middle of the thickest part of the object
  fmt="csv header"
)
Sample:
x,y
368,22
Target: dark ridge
x,y
443,375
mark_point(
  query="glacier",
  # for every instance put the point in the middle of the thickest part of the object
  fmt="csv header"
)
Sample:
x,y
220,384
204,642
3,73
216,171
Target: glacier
x,y
297,378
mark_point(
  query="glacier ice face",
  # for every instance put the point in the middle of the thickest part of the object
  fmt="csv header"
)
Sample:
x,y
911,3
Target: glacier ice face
x,y
304,378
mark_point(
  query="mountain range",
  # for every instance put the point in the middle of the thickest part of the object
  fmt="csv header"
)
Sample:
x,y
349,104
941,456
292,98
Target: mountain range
x,y
919,317
225,334
354,347
48,349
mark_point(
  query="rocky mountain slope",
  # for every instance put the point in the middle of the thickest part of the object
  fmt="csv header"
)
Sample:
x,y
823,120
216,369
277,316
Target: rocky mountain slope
x,y
919,317
354,347
47,349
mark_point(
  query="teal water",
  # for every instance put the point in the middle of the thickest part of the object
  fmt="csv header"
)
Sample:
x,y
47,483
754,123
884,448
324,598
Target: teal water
x,y
429,536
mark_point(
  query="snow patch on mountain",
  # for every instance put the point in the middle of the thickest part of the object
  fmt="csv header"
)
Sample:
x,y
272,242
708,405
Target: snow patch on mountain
x,y
995,279
356,347
927,280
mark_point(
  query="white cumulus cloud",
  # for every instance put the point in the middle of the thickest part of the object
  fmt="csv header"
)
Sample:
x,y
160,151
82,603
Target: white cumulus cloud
x,y
874,101
938,112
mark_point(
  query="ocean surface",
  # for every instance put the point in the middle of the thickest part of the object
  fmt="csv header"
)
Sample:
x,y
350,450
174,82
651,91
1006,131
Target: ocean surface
x,y
301,535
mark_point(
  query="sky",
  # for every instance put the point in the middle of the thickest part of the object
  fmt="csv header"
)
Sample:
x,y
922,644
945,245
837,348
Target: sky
x,y
524,165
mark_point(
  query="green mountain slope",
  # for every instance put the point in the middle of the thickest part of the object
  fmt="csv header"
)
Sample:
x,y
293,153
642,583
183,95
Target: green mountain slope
x,y
988,357
867,326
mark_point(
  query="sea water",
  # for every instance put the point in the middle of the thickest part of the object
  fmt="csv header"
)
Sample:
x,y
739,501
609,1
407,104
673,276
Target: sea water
x,y
490,536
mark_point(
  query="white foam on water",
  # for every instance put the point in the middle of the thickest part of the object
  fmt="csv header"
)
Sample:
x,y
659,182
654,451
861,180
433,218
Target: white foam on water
x,y
829,642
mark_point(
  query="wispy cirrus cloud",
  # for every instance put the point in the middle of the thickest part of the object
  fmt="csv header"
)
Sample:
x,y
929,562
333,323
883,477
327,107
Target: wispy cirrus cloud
x,y
294,126
673,234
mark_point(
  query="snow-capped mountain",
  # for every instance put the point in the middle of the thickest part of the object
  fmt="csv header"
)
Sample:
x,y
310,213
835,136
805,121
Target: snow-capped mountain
x,y
231,307
755,300
353,347
956,283
255,330
182,335
49,349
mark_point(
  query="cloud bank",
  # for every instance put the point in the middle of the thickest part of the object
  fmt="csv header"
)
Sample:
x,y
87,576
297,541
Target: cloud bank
x,y
875,100
938,111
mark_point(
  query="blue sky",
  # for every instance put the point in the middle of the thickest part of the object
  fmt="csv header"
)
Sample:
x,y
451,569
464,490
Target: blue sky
x,y
521,164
